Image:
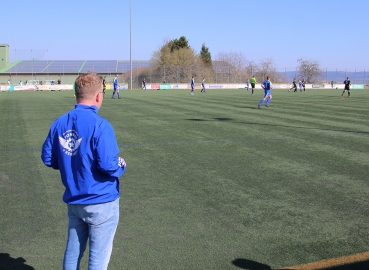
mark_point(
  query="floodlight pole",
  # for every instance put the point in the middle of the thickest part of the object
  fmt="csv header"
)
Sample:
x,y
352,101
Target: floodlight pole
x,y
130,41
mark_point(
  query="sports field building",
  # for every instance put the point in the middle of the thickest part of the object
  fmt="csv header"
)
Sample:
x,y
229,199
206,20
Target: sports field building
x,y
63,71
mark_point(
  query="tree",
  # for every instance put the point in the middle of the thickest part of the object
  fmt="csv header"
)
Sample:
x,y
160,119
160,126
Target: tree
x,y
181,43
231,67
237,60
309,69
174,61
205,56
168,52
266,68
251,68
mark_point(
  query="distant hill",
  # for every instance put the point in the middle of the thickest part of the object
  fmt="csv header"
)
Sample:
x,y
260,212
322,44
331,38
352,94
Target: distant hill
x,y
337,76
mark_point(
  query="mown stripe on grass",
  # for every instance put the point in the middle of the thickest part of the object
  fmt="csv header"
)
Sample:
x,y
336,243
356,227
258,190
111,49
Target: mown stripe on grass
x,y
201,141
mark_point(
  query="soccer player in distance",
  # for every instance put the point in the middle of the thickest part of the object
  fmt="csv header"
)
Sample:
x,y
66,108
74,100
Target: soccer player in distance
x,y
192,86
294,86
116,86
144,84
300,86
253,83
267,86
104,85
303,84
203,89
82,146
347,84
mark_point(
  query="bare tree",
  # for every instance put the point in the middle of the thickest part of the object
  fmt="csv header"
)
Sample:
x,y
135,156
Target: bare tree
x,y
234,64
309,69
251,68
237,60
267,68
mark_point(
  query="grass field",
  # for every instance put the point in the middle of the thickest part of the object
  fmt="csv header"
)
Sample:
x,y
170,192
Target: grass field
x,y
212,182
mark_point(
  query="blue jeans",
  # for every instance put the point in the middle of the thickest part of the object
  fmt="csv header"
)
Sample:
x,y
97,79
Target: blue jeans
x,y
96,223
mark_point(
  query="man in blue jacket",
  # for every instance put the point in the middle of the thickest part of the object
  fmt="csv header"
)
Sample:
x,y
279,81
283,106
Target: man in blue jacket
x,y
83,147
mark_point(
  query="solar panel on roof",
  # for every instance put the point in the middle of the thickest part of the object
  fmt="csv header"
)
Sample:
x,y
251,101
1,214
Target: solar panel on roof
x,y
76,66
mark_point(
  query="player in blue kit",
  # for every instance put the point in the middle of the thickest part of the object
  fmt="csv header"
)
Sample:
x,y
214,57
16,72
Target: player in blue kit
x,y
300,86
192,86
203,89
116,87
267,86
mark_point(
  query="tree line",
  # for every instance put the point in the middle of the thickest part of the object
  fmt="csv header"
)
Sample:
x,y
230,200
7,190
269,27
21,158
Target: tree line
x,y
175,61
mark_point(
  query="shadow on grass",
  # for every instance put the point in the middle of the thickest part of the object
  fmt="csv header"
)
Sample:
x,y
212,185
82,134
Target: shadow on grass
x,y
308,128
248,107
9,263
223,119
272,125
197,120
251,265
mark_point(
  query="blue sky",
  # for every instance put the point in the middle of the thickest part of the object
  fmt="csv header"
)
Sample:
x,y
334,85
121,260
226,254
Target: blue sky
x,y
333,32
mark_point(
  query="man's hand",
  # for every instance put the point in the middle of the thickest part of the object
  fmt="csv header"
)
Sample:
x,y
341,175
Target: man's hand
x,y
121,162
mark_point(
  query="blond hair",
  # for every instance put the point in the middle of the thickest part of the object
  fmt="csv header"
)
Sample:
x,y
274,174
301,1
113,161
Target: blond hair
x,y
87,85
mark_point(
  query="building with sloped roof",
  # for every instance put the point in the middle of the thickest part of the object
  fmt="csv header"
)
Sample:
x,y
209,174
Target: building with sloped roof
x,y
65,71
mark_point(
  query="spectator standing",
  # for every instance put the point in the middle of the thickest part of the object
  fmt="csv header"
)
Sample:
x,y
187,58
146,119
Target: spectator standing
x,y
83,147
